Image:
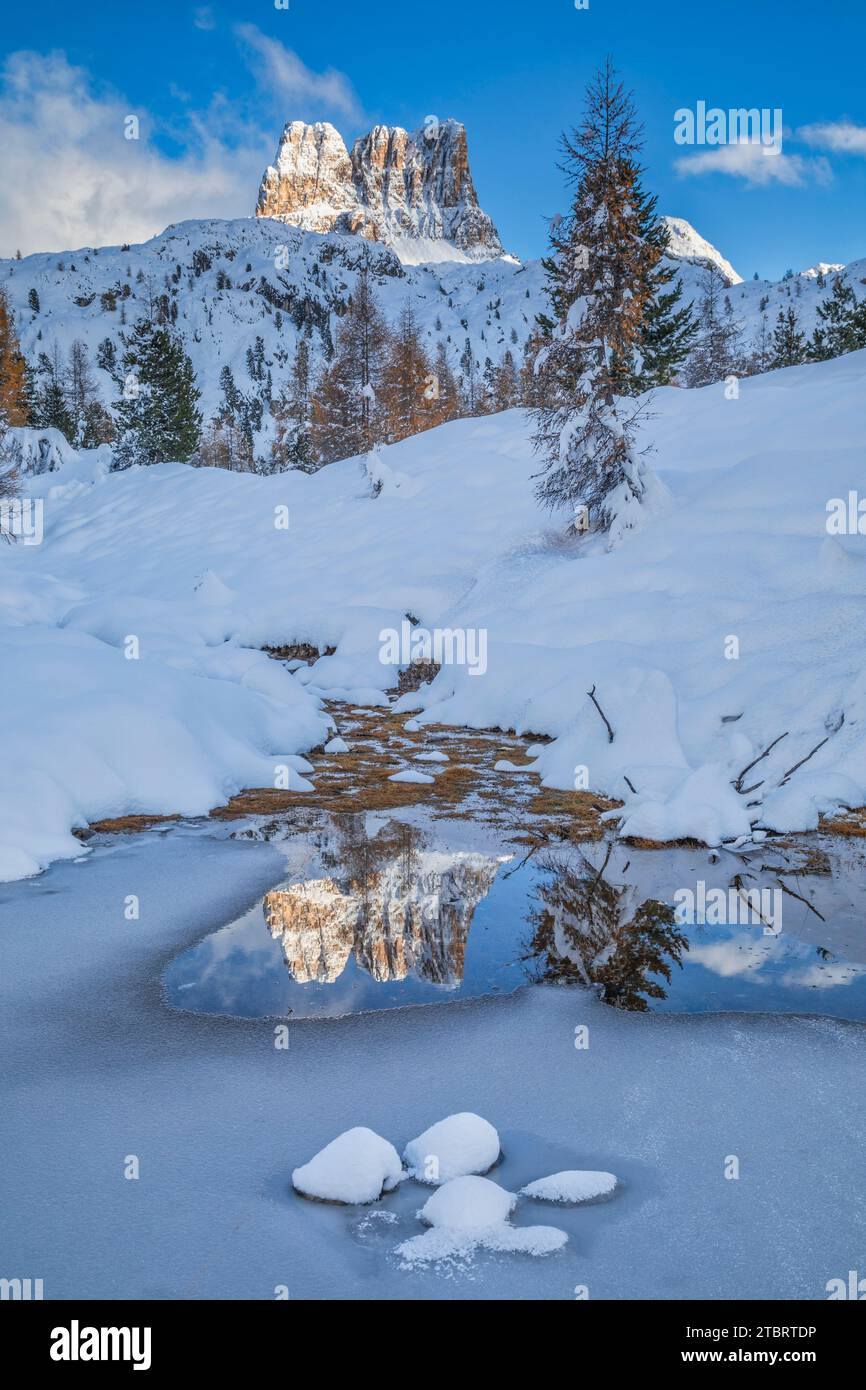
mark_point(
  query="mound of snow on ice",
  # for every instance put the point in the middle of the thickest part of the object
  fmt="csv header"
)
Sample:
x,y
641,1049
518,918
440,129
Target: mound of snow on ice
x,y
572,1185
456,1146
357,1166
469,1212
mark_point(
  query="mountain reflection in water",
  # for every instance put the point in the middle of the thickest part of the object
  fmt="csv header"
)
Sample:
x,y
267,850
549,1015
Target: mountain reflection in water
x,y
391,905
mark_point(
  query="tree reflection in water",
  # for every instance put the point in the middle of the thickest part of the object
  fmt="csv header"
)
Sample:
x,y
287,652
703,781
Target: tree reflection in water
x,y
590,932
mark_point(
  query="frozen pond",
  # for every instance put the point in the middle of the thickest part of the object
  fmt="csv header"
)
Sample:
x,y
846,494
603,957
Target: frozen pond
x,y
376,913
216,1113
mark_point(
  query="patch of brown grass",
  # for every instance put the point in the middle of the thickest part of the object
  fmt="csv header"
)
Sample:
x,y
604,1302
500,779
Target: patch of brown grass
x,y
849,824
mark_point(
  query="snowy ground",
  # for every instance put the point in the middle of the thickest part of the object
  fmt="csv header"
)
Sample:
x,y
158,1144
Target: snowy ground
x,y
129,638
99,1070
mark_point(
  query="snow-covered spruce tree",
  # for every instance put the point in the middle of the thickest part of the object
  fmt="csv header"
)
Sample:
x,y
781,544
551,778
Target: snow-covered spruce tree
x,y
717,352
669,327
92,424
788,344
469,379
51,409
292,446
506,384
158,420
446,393
598,287
842,326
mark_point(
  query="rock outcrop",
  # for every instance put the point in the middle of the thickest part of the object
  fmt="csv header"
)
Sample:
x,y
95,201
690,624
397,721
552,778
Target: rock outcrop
x,y
413,192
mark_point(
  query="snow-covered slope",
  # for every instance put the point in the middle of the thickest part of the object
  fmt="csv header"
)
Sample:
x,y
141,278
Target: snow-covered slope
x,y
229,282
233,281
740,551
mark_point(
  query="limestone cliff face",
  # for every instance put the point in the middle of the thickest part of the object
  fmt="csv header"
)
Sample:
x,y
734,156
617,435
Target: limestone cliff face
x,y
413,192
393,924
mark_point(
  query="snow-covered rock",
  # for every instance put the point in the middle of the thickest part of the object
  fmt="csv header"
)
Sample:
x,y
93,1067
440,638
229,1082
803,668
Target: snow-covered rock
x,y
356,1167
471,1212
336,745
454,1147
468,1203
410,774
571,1185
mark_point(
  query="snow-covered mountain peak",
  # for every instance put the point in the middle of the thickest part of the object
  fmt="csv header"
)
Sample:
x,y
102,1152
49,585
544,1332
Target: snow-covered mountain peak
x,y
822,269
413,192
685,244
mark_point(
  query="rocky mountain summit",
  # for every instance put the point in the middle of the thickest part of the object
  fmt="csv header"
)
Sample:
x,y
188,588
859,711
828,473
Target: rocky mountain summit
x,y
414,192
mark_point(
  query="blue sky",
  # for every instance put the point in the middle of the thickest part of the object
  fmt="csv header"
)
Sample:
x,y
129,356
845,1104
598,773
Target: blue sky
x,y
213,84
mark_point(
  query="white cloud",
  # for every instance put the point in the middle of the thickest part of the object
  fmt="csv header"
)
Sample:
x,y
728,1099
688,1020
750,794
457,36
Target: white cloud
x,y
301,91
204,18
70,178
843,137
749,162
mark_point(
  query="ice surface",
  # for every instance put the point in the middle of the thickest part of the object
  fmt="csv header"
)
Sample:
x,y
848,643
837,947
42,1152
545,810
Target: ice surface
x,y
97,1068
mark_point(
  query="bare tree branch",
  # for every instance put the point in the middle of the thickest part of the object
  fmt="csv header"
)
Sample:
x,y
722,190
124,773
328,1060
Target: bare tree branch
x,y
591,694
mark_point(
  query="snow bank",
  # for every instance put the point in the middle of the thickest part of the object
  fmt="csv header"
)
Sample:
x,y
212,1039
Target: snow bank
x,y
456,1146
572,1185
90,735
357,1166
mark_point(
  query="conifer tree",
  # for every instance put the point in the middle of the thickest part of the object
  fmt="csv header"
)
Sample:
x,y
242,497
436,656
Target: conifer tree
x,y
346,413
599,286
842,326
14,385
668,329
763,349
717,351
506,384
158,416
788,345
469,379
51,405
408,399
292,446
443,391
